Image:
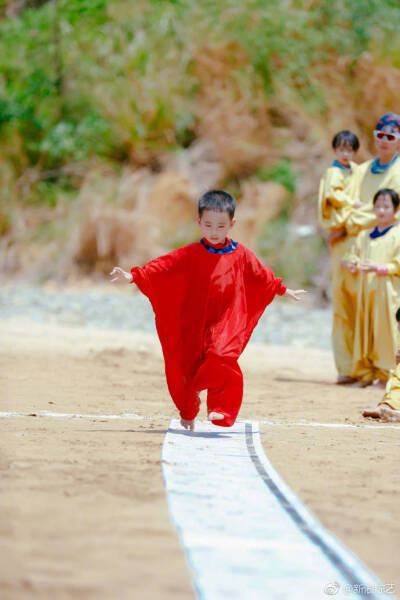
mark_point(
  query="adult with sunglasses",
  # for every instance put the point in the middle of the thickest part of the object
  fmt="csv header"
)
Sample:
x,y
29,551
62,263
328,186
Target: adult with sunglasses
x,y
381,172
375,174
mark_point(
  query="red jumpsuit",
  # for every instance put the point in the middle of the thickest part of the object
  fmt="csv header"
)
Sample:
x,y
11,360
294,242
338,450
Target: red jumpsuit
x,y
207,300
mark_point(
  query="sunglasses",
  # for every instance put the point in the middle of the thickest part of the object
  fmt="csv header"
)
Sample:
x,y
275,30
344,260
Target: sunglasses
x,y
391,137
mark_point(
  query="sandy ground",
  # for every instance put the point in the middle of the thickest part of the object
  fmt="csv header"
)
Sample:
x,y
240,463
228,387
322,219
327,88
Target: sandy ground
x,y
83,513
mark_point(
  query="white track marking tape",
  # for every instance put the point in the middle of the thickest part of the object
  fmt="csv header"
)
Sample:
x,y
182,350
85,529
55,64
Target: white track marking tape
x,y
44,413
334,425
135,417
246,535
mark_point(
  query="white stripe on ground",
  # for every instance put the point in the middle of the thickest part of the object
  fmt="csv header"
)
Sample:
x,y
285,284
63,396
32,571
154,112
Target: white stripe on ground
x,y
45,413
135,417
337,425
241,536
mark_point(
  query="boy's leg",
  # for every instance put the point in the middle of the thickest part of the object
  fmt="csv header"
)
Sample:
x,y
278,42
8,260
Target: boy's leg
x,y
343,305
223,379
344,308
190,407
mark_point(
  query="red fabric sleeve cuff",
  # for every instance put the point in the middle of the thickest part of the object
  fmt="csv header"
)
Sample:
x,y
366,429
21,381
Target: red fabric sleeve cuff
x,y
280,288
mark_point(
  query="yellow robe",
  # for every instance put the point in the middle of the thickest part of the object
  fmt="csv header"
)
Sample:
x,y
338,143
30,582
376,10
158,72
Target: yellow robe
x,y
378,297
392,392
367,184
337,194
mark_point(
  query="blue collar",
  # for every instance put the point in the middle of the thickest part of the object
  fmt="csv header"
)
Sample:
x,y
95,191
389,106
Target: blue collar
x,y
375,233
231,247
377,168
336,163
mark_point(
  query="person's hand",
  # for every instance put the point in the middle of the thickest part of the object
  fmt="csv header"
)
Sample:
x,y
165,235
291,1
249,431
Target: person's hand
x,y
294,294
119,274
367,265
358,204
335,235
351,265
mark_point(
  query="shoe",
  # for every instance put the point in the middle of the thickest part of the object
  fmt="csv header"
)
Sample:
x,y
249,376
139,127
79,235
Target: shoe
x,y
362,384
345,380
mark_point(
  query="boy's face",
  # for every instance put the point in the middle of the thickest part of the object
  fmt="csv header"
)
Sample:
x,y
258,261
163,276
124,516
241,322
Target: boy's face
x,y
215,225
344,154
384,210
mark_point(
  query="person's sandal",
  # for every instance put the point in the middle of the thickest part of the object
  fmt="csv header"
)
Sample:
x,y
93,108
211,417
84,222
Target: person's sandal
x,y
345,380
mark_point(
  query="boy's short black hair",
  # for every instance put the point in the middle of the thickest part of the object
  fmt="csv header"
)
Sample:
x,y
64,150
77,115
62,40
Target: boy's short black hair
x,y
219,201
398,314
388,192
346,138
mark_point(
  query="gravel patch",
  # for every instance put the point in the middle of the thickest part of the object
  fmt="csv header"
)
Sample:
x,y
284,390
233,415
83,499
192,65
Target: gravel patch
x,y
283,323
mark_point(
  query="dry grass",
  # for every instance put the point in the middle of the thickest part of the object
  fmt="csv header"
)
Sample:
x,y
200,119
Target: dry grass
x,y
232,109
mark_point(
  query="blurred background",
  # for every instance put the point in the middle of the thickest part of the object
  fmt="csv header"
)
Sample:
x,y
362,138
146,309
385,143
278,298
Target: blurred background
x,y
116,115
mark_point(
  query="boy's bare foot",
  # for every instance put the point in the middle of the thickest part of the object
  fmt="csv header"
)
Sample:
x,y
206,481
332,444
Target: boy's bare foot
x,y
345,380
373,410
215,416
389,414
188,424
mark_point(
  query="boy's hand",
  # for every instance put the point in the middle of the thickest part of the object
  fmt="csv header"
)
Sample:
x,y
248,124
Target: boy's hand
x,y
118,274
351,265
294,294
367,266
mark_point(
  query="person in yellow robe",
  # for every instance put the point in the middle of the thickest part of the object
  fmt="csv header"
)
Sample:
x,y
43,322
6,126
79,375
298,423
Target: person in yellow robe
x,y
381,172
336,202
375,264
388,409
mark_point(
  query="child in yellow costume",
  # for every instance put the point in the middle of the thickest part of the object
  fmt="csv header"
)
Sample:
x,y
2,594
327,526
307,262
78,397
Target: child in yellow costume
x,y
388,409
337,194
375,262
381,172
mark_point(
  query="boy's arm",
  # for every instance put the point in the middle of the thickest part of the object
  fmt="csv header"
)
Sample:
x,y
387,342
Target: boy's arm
x,y
274,284
294,294
359,219
334,190
334,202
351,259
119,274
389,268
173,262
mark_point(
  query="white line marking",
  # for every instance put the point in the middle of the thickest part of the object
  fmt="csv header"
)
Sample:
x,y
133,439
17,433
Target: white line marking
x,y
337,425
241,539
135,417
45,413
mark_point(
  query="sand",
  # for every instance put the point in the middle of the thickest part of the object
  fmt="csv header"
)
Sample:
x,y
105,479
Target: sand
x,y
83,512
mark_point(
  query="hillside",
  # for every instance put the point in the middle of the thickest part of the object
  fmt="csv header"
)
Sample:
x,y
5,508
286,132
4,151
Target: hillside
x,y
115,116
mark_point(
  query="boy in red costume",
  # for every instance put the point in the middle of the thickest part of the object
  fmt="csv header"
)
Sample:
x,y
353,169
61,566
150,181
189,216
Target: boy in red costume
x,y
207,298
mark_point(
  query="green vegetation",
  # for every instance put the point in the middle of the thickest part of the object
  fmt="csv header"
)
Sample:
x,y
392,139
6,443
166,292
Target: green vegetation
x,y
119,82
282,172
82,79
